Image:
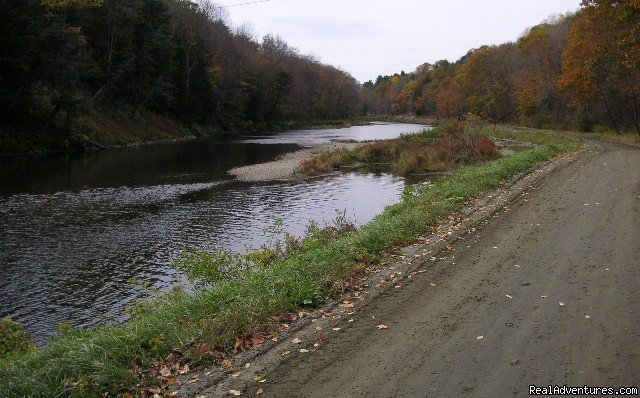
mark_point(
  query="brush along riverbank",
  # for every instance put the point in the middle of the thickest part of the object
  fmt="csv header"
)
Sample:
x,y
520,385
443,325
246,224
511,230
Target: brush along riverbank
x,y
179,331
442,148
445,147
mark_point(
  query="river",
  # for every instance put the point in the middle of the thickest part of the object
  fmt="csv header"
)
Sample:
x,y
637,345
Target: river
x,y
81,233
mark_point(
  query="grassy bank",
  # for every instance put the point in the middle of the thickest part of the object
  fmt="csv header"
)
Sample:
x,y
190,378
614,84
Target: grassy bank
x,y
179,329
442,148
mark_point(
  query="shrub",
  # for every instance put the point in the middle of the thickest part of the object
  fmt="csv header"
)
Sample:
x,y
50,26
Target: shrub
x,y
14,339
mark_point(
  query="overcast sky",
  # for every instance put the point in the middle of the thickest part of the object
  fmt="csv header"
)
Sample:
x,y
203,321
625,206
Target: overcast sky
x,y
372,37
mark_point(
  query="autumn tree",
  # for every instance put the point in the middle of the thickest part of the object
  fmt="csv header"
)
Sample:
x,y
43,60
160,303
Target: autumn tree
x,y
601,69
61,59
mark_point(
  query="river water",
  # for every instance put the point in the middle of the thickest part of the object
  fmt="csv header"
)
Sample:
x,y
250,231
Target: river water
x,y
81,233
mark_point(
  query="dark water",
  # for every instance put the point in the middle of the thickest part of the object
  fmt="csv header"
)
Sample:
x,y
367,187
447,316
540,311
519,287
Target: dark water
x,y
79,233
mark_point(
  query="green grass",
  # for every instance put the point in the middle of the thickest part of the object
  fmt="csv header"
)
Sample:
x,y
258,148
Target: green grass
x,y
14,339
99,360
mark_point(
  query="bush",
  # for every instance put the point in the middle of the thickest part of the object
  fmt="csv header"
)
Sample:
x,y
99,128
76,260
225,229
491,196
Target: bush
x,y
14,339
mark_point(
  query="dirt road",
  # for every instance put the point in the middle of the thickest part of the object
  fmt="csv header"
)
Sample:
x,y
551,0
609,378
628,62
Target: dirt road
x,y
546,293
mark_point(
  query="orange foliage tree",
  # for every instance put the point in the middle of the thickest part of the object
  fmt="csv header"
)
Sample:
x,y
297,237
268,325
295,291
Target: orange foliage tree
x,y
601,67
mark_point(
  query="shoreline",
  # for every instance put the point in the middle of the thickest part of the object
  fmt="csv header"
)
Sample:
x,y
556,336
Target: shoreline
x,y
284,167
93,147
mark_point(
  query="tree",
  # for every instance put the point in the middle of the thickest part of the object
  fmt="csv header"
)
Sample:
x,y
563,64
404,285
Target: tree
x,y
601,69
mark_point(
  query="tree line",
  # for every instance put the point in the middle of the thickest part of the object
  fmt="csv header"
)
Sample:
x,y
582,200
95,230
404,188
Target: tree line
x,y
579,70
60,59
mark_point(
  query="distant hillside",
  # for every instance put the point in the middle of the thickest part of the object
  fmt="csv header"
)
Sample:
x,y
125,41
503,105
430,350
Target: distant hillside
x,y
579,70
112,71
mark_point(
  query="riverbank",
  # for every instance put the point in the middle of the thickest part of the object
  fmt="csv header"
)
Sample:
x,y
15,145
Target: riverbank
x,y
181,330
285,167
436,150
97,132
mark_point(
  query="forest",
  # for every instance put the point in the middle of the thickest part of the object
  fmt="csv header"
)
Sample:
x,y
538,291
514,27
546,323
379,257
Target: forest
x,y
81,72
69,68
576,71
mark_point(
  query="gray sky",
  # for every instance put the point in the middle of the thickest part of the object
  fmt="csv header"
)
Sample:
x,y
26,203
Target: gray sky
x,y
372,37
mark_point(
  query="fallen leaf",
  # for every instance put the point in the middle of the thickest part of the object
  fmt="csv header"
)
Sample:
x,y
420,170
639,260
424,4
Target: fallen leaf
x,y
587,316
184,370
203,349
432,284
246,365
260,379
336,329
235,392
296,341
259,392
303,350
258,339
165,372
382,326
227,363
